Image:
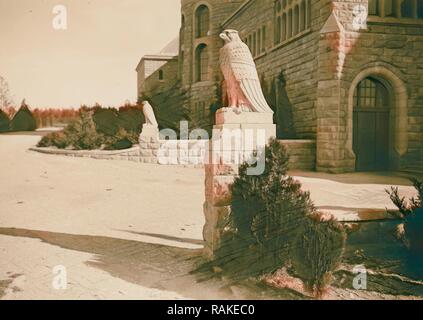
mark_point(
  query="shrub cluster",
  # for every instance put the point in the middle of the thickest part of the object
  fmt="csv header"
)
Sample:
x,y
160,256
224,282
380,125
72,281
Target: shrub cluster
x,y
23,120
407,207
4,121
412,211
274,224
99,128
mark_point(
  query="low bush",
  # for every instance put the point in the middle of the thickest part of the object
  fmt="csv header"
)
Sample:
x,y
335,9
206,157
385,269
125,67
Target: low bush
x,y
106,121
131,119
23,120
412,211
98,128
273,224
122,140
407,207
318,252
4,122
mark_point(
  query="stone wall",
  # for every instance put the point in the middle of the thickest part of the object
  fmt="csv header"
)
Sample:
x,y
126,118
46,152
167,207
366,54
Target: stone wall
x,y
389,50
184,152
288,70
302,154
132,154
203,94
310,78
169,70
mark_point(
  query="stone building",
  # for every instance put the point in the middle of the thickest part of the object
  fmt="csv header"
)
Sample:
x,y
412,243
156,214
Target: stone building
x,y
347,74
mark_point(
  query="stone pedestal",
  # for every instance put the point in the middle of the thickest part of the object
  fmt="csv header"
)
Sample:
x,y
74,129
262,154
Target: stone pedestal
x,y
149,144
149,132
226,152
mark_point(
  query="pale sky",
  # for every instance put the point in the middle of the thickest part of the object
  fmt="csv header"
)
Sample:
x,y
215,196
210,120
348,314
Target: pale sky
x,y
94,60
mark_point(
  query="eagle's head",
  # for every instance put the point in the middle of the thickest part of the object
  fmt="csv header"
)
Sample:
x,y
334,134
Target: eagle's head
x,y
229,36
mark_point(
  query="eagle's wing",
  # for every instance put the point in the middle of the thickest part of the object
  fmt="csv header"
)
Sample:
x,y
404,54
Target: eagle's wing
x,y
225,64
244,70
149,115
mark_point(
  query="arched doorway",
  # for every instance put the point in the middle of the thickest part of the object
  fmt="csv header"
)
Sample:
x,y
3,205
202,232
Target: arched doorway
x,y
371,125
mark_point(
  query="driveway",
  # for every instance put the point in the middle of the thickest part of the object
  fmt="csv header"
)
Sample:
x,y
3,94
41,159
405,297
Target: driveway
x,y
116,229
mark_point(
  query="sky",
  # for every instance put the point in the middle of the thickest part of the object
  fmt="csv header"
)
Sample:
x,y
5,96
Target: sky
x,y
93,60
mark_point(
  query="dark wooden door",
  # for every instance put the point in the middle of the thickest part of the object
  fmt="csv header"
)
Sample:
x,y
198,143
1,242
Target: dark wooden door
x,y
371,126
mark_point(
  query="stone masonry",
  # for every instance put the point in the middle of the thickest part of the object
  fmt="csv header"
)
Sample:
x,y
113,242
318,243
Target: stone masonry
x,y
311,68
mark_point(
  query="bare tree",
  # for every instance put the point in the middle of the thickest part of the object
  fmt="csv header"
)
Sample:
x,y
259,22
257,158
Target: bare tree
x,y
6,99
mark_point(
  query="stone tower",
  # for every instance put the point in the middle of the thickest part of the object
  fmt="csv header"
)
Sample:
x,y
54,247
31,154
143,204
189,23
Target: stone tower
x,y
199,71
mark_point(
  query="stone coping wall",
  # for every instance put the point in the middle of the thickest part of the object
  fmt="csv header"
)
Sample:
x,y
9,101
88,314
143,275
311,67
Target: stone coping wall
x,y
132,154
184,152
302,154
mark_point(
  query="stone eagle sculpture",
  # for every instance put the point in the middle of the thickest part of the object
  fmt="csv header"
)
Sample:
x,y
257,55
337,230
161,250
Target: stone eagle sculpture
x,y
150,118
239,70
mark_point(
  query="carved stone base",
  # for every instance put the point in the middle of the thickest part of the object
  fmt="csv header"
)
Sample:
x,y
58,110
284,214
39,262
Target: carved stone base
x,y
149,133
230,116
248,123
220,171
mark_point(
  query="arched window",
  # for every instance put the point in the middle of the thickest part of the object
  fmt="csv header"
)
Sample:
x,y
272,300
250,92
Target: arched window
x,y
202,24
371,123
302,15
259,39
296,21
278,30
182,33
250,42
397,8
181,65
254,50
391,8
374,7
407,9
201,63
289,25
308,9
371,93
284,27
161,75
292,17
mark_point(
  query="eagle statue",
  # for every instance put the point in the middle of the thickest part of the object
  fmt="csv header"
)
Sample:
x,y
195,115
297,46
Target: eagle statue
x,y
150,118
243,87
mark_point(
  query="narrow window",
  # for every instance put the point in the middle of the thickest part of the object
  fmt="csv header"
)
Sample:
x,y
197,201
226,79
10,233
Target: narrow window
x,y
420,9
289,25
302,16
407,9
202,63
374,7
259,41
263,41
296,20
391,8
202,17
308,9
254,44
278,30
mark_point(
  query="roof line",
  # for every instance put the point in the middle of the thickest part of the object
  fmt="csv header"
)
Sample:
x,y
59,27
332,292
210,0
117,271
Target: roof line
x,y
156,57
241,8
